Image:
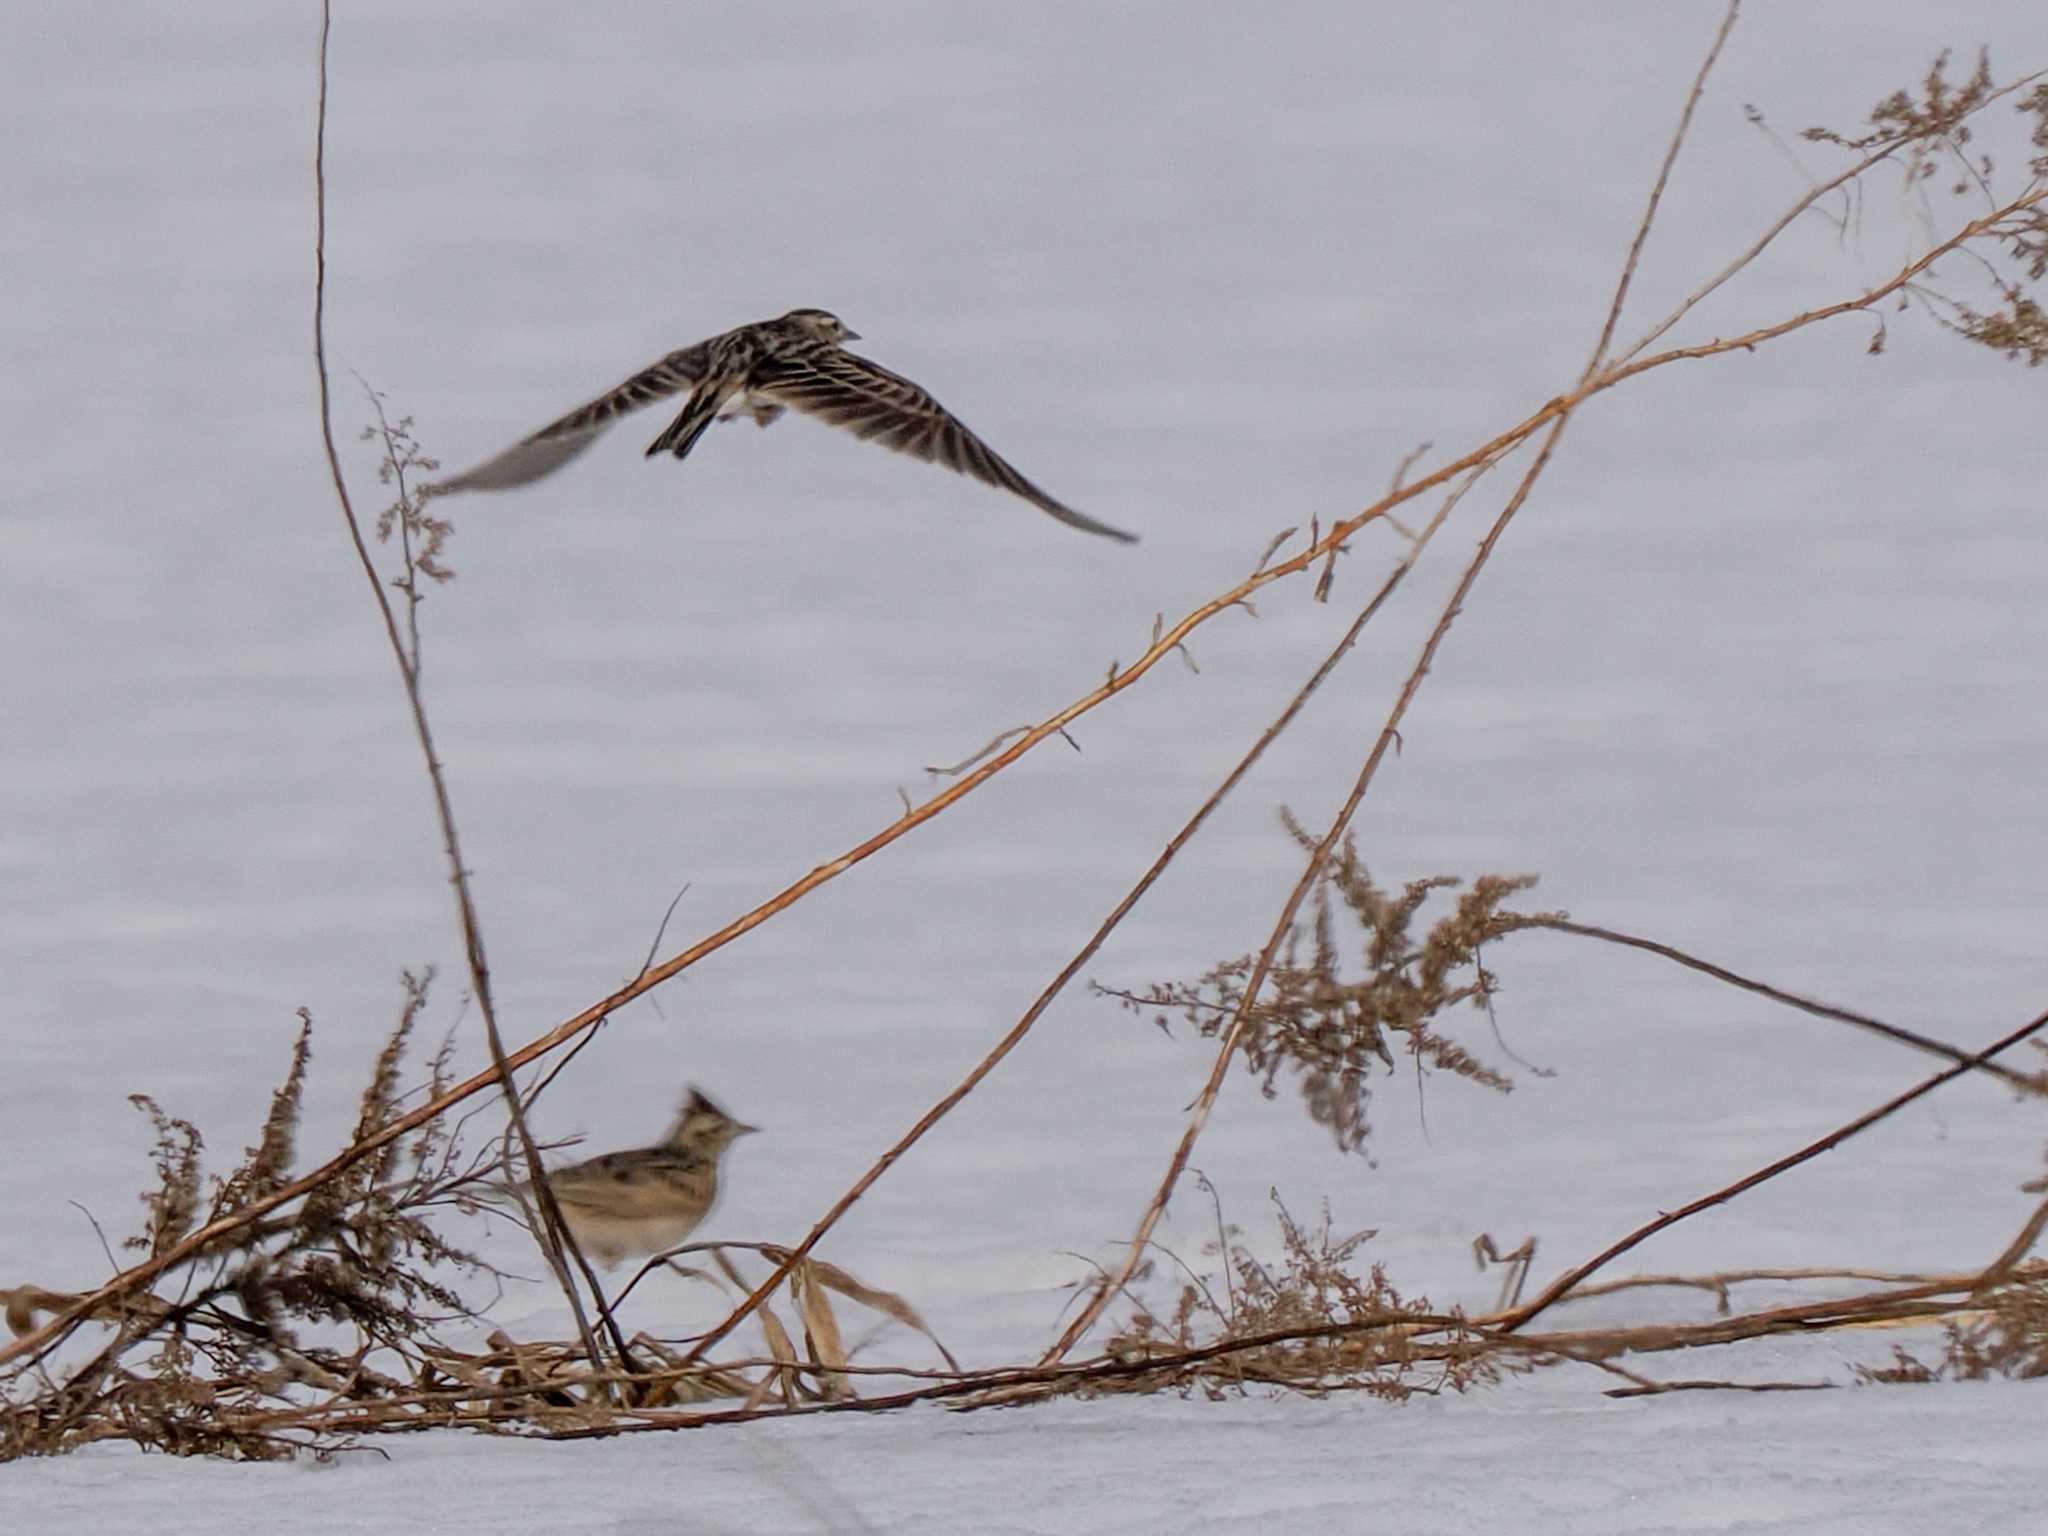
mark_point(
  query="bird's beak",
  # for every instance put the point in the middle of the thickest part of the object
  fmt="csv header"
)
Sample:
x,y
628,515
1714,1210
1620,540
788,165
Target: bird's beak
x,y
740,1129
851,336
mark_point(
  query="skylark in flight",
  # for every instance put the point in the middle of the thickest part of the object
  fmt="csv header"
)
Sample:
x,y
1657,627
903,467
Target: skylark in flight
x,y
761,370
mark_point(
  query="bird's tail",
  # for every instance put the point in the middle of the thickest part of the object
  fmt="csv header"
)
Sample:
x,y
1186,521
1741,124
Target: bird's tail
x,y
681,435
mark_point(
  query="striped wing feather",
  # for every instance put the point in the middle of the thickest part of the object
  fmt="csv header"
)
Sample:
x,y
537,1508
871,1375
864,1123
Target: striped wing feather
x,y
869,401
559,441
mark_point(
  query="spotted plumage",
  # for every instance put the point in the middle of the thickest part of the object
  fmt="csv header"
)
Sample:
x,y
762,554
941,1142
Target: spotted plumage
x,y
759,371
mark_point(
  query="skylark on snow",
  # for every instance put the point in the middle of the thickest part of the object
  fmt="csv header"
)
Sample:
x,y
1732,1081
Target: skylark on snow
x,y
759,371
627,1204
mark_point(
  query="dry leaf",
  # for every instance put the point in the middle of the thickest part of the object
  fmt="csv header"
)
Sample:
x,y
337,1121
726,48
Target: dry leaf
x,y
887,1302
821,1329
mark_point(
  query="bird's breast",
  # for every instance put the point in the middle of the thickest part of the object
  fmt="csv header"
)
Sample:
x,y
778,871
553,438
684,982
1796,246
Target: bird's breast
x,y
743,402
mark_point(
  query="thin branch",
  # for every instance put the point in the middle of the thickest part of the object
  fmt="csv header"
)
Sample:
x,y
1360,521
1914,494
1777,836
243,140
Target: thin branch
x,y
558,1236
1846,178
1565,1282
1869,299
2027,1082
1107,1286
1389,735
1678,137
1722,1281
1657,1388
2001,1268
1072,968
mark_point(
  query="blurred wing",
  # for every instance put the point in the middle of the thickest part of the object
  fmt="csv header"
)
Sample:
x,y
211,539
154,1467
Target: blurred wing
x,y
560,441
883,407
600,1183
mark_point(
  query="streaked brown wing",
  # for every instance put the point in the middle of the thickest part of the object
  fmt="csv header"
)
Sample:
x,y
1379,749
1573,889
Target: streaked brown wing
x,y
558,442
871,402
603,1182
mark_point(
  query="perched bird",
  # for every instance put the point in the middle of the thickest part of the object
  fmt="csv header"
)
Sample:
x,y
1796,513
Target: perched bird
x,y
759,371
625,1204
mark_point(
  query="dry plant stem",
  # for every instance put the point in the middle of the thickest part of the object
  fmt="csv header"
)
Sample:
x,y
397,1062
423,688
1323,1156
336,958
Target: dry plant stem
x,y
1111,1282
1658,1388
1798,210
2031,1083
1721,1281
1564,1283
1642,236
408,671
559,1402
1087,952
1170,641
1592,380
2001,1268
1433,1337
1050,1375
1814,1317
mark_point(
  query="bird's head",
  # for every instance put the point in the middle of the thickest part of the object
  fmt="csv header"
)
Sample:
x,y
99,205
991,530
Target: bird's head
x,y
821,324
704,1128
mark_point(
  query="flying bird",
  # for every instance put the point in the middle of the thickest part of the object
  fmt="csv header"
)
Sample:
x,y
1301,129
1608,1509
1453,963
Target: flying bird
x,y
761,370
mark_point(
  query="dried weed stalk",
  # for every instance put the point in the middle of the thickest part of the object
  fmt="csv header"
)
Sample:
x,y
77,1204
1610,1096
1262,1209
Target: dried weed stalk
x,y
327,1322
1315,1324
330,1300
1332,1031
2005,1335
1931,136
2003,226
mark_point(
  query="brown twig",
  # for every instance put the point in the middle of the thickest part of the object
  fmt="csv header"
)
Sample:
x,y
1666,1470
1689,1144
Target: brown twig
x,y
1799,208
1722,1281
1389,734
1656,1388
1087,952
1112,1281
2001,1269
2029,1082
1595,379
557,1235
1642,235
1565,1282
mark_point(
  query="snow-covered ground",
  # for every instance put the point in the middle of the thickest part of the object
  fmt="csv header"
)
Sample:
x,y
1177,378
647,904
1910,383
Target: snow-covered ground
x,y
1759,671
1821,1464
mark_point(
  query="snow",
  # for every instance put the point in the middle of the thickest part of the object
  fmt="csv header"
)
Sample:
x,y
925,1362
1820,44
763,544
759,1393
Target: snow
x,y
1758,672
1567,1462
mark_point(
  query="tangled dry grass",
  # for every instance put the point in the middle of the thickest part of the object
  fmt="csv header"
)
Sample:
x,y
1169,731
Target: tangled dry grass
x,y
271,1310
343,1318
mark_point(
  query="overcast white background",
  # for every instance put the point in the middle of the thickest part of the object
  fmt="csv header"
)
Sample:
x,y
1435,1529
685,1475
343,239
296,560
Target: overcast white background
x,y
1758,671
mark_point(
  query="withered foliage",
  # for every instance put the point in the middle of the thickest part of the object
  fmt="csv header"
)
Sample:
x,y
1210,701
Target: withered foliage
x,y
323,1322
424,535
1921,125
303,1300
1334,1031
2005,1335
1320,1322
2004,1331
1933,136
